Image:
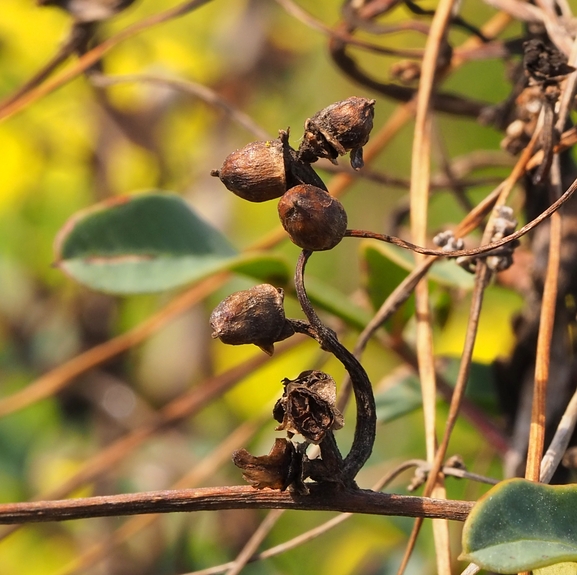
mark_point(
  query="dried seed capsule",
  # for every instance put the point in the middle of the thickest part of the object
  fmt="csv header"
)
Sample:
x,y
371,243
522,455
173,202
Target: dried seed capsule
x,y
256,172
263,171
313,219
252,316
338,128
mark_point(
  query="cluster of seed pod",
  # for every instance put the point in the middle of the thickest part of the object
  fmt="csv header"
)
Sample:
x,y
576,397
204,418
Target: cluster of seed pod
x,y
315,221
263,171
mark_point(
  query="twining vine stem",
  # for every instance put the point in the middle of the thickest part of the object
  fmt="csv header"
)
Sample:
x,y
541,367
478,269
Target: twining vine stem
x,y
366,424
474,251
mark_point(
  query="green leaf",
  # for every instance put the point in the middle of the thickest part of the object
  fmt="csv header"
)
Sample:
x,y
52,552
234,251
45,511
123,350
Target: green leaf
x,y
143,243
481,385
382,275
520,525
445,272
401,397
266,267
334,301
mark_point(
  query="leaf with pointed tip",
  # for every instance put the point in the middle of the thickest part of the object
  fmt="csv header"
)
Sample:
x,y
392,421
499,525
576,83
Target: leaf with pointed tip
x,y
146,243
519,525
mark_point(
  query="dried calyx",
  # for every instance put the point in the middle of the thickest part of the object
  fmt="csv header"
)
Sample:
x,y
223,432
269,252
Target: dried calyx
x,y
339,128
308,406
265,170
254,316
280,469
313,219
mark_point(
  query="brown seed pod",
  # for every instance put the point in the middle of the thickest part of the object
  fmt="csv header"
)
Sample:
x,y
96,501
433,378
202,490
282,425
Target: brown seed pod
x,y
313,219
264,171
338,128
256,172
252,316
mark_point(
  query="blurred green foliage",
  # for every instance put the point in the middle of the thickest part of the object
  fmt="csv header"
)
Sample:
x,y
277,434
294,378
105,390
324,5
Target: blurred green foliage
x,y
78,146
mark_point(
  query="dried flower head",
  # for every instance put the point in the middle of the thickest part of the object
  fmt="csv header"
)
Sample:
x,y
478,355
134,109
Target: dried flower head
x,y
308,406
544,63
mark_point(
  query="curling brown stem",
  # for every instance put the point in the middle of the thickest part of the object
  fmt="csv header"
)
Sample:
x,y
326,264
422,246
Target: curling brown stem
x,y
475,251
366,423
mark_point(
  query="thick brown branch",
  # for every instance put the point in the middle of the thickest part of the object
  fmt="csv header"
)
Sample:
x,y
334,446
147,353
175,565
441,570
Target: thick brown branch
x,y
236,497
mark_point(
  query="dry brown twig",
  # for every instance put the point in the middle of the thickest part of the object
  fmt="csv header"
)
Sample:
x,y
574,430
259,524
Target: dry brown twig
x,y
12,106
234,497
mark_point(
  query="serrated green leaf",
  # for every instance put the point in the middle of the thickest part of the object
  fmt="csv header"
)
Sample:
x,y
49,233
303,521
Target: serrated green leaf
x,y
143,243
520,525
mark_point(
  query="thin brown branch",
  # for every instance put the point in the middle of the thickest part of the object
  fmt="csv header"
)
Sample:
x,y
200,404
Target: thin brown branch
x,y
256,539
193,88
235,497
340,34
323,528
481,280
203,471
93,56
181,407
419,197
543,354
80,34
64,374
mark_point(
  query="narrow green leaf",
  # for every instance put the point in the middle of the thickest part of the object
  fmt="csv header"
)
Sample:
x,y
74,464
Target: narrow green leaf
x,y
520,525
142,243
